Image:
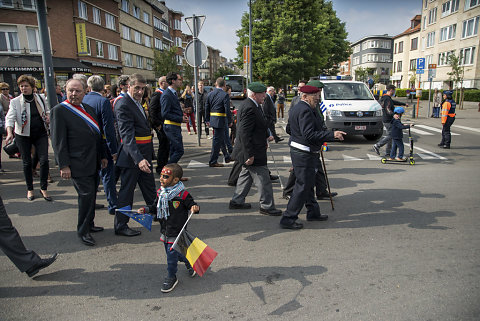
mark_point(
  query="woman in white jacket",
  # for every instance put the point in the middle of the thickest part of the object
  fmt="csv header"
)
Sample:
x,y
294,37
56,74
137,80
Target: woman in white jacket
x,y
29,116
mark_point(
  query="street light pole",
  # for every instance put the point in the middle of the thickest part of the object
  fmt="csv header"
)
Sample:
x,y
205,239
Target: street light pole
x,y
250,41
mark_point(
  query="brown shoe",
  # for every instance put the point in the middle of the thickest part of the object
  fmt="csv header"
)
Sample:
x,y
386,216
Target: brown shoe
x,y
216,165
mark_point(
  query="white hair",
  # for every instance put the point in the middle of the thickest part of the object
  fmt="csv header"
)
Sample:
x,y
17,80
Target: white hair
x,y
271,88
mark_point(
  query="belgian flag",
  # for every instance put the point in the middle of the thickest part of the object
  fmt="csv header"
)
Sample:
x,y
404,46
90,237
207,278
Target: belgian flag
x,y
199,254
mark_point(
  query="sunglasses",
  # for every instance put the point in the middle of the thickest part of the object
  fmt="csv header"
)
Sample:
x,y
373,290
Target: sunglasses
x,y
165,176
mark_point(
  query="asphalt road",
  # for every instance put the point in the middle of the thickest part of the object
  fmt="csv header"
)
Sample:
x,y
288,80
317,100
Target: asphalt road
x,y
401,244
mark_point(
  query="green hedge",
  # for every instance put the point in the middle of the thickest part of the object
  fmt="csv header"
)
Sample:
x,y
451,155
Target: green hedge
x,y
470,94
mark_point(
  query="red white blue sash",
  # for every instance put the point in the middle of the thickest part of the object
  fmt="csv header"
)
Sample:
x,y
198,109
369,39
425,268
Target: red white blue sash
x,y
82,114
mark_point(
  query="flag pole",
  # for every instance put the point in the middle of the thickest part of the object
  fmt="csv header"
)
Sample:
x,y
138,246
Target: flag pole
x,y
181,231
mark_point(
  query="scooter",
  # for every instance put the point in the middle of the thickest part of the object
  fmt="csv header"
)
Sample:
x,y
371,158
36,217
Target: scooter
x,y
408,159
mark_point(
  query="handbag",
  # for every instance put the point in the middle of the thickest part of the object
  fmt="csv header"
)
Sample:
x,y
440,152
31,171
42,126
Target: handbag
x,y
11,148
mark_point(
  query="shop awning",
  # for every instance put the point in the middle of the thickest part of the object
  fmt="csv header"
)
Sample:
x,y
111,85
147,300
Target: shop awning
x,y
34,64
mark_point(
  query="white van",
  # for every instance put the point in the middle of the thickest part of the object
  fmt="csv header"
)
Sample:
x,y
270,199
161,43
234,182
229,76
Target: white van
x,y
350,106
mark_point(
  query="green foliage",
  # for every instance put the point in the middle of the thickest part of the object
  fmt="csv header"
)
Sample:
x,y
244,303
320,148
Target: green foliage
x,y
223,71
164,61
188,74
292,40
469,94
361,74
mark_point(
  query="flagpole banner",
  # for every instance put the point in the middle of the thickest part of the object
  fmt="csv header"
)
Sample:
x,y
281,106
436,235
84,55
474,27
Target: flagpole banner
x,y
144,219
81,39
198,254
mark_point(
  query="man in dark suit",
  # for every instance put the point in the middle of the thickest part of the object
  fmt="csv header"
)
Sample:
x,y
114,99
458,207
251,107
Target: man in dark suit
x,y
218,116
11,244
155,111
251,151
104,113
135,153
270,113
173,116
77,143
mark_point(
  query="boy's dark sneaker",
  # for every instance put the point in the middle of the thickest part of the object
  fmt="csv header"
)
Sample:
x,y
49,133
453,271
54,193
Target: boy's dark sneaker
x,y
169,284
190,269
376,149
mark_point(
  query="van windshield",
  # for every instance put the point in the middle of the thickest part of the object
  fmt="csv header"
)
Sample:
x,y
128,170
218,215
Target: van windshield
x,y
346,91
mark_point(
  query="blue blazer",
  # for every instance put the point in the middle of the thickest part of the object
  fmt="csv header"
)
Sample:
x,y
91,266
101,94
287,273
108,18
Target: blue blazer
x,y
218,101
104,112
170,106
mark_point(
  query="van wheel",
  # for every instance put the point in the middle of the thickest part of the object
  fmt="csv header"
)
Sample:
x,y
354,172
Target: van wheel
x,y
372,137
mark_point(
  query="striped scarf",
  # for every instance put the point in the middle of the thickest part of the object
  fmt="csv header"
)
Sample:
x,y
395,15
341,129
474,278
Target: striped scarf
x,y
167,194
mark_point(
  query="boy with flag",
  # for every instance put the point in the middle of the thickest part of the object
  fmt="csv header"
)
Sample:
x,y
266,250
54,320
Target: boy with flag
x,y
172,207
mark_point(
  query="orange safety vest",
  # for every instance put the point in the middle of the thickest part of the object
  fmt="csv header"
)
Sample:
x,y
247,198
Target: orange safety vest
x,y
445,111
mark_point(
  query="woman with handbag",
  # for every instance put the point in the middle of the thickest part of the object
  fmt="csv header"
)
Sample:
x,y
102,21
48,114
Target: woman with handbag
x,y
29,115
187,101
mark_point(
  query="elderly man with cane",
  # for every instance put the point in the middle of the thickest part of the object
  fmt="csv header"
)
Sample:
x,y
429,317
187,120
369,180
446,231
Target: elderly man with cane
x,y
306,138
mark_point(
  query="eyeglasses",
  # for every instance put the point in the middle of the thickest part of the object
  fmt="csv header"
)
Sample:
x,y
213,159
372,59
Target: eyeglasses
x,y
5,88
165,176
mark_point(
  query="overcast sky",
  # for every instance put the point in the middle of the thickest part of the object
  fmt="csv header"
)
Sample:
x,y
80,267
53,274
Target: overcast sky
x,y
362,18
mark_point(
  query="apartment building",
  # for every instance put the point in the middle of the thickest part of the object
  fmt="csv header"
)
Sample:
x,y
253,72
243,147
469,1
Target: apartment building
x,y
373,52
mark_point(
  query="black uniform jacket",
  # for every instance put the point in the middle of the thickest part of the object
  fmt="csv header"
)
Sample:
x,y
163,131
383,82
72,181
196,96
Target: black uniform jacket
x,y
306,127
252,134
134,131
74,142
269,110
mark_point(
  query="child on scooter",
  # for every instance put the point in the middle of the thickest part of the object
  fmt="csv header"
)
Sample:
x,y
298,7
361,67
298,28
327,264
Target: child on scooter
x,y
397,135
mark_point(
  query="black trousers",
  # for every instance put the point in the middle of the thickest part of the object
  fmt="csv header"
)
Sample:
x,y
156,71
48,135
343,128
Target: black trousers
x,y
163,150
130,178
320,183
12,245
25,144
271,126
446,134
201,122
86,187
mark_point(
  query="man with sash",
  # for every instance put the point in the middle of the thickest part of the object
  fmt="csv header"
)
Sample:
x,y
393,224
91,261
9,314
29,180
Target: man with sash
x,y
155,111
135,153
79,152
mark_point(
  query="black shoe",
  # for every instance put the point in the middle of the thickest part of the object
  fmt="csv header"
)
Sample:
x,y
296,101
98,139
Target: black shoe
x,y
236,206
446,146
216,165
270,212
293,226
228,160
87,239
322,217
169,284
324,196
376,149
112,211
278,140
287,197
191,271
273,177
441,145
95,229
128,232
99,206
41,265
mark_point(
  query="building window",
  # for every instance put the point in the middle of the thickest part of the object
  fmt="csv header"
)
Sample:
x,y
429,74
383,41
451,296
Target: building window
x,y
99,46
6,4
146,17
430,39
471,3
179,60
166,46
432,16
450,7
400,47
158,44
467,56
399,66
148,41
470,27
128,59
126,32
138,37
178,42
448,33
112,52
157,24
178,24
395,48
428,60
27,4
394,66
385,58
9,39
414,44
82,10
34,44
136,12
139,62
89,52
125,5
110,21
413,64
443,57
149,63
96,16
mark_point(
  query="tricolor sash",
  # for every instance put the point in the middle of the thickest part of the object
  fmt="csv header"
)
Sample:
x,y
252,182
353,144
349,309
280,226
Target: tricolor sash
x,y
83,115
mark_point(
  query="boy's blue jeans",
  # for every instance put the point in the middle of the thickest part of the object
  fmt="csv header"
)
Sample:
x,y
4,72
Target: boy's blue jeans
x,y
397,143
173,257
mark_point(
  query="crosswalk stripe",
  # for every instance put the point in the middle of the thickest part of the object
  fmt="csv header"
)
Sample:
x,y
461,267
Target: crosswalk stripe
x,y
467,128
428,152
425,156
195,164
287,159
433,129
350,158
373,157
421,132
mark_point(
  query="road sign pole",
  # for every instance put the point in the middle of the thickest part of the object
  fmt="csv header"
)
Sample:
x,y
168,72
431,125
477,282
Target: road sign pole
x,y
418,97
429,95
195,80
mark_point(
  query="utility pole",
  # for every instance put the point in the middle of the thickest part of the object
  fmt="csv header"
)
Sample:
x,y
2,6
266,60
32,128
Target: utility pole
x,y
250,41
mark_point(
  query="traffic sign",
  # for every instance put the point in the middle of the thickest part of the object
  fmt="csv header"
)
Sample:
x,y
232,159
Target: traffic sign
x,y
432,73
420,71
432,66
420,63
195,24
201,51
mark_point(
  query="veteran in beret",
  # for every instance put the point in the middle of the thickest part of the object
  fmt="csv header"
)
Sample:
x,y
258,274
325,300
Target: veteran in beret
x,y
307,136
250,150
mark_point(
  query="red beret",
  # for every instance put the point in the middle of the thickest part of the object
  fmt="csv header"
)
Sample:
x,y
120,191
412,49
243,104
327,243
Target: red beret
x,y
307,89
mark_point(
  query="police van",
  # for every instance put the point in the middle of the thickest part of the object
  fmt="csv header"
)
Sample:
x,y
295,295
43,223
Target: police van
x,y
351,107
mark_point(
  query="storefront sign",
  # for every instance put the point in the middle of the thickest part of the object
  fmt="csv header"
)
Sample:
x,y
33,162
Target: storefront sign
x,y
81,39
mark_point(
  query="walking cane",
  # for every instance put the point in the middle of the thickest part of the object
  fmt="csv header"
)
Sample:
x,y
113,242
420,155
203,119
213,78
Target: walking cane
x,y
276,168
326,178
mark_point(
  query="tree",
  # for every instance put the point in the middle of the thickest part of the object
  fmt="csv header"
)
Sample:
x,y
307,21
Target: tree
x,y
293,39
456,75
188,74
361,74
165,61
223,71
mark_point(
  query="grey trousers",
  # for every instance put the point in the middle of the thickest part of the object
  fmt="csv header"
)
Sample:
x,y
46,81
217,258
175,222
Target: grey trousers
x,y
386,138
259,175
